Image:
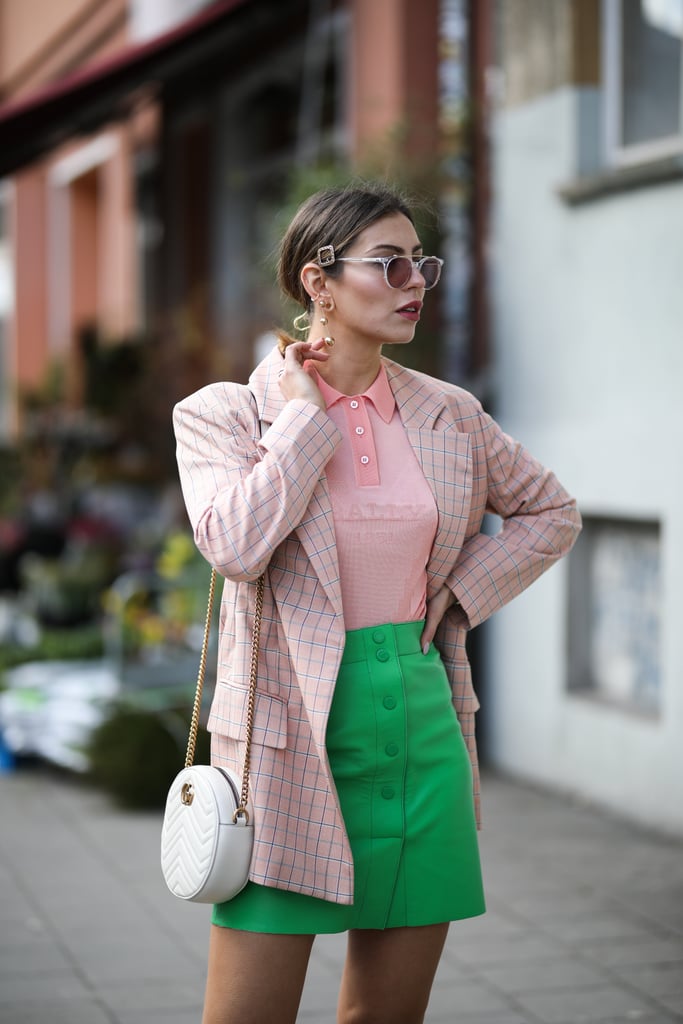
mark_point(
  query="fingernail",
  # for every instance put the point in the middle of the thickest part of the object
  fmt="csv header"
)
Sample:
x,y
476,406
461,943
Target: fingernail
x,y
425,648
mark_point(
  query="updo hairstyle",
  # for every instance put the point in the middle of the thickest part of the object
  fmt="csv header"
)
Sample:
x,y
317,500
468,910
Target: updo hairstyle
x,y
333,216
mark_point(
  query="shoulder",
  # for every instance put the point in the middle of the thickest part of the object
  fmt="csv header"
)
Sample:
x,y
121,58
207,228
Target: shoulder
x,y
224,401
412,385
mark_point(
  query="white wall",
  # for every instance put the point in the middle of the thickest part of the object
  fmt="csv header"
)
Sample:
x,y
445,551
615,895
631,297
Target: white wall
x,y
150,18
588,324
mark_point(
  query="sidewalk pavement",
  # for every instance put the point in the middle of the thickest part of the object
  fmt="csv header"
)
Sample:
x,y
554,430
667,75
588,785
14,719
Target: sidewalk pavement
x,y
585,919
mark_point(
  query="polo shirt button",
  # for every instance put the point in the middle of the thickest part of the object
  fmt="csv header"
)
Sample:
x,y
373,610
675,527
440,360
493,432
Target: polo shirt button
x,y
391,749
360,430
383,655
379,636
389,703
364,459
388,792
354,404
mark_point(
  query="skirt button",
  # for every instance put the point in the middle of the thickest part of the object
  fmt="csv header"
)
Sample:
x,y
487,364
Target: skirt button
x,y
388,792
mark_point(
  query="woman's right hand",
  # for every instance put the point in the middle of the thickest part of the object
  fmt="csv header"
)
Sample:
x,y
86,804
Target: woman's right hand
x,y
295,379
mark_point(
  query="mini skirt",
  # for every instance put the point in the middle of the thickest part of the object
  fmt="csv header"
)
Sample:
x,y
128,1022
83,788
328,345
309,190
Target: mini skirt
x,y
404,782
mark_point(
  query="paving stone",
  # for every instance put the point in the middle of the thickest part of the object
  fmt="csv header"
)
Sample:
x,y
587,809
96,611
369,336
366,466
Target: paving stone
x,y
86,1011
172,993
320,995
587,1005
673,1003
110,961
634,952
37,956
46,987
558,903
641,1019
589,927
530,946
545,975
468,997
162,1016
509,1017
656,979
585,927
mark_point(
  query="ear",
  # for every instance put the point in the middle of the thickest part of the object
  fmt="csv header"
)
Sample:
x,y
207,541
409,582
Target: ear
x,y
314,280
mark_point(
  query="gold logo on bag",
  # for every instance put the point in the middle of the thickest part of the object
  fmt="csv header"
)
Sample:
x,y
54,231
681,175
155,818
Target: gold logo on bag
x,y
186,794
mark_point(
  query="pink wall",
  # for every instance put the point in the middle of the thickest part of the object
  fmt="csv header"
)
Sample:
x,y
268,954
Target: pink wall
x,y
393,76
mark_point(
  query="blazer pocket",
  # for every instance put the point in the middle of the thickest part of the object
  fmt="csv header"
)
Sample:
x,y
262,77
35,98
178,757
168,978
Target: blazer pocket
x,y
228,716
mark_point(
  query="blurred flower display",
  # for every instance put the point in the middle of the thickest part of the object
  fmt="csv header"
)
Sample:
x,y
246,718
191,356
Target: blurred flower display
x,y
157,611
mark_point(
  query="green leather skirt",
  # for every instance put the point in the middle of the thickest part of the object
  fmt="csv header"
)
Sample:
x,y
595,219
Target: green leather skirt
x,y
404,782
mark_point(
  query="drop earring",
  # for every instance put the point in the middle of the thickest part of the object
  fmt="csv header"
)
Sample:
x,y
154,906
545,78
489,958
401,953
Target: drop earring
x,y
302,323
326,306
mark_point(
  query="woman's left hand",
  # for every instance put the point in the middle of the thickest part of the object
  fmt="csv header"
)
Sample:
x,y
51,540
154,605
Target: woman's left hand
x,y
436,609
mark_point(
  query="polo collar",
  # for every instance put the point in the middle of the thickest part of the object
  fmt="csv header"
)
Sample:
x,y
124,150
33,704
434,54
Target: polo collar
x,y
379,393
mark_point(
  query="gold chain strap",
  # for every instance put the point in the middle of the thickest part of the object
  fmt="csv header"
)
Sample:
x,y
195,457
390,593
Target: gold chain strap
x,y
255,641
194,723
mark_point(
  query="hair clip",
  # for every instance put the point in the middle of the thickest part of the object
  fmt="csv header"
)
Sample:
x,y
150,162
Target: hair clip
x,y
326,256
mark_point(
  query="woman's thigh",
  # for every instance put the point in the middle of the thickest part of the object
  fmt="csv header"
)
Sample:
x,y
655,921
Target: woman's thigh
x,y
254,978
388,974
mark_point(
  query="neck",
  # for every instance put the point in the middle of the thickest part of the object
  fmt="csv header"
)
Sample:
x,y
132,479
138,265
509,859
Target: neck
x,y
351,369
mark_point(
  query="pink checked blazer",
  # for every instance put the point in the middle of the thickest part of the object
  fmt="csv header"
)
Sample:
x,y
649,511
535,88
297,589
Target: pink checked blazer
x,y
252,470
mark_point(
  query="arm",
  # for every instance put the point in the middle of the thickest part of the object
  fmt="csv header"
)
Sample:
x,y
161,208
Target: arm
x,y
540,525
244,496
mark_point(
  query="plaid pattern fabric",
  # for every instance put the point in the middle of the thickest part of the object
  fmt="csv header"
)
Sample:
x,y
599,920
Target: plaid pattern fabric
x,y
262,504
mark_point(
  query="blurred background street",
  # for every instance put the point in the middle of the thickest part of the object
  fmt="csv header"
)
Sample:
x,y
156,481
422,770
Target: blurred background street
x,y
584,922
151,153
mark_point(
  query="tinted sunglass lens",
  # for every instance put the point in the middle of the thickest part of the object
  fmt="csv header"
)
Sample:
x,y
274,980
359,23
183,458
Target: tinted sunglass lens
x,y
431,271
399,269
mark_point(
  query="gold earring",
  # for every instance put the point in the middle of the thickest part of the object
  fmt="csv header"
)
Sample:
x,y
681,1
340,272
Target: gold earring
x,y
325,305
302,322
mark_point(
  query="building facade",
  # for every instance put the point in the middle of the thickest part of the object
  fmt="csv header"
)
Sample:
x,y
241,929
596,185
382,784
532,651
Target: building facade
x,y
584,681
146,147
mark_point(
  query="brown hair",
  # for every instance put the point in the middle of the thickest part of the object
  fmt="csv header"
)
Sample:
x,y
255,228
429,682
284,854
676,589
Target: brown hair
x,y
333,216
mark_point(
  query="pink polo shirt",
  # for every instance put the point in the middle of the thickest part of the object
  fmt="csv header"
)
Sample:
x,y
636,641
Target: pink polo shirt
x,y
385,515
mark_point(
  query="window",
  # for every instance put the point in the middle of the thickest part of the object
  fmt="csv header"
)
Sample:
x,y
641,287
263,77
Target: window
x,y
615,613
643,79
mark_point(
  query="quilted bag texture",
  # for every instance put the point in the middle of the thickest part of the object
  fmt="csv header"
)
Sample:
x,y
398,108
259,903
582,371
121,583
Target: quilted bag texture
x,y
205,855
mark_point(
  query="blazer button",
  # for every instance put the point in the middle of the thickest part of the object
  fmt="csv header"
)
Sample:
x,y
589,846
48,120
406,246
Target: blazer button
x,y
388,792
389,703
391,749
383,655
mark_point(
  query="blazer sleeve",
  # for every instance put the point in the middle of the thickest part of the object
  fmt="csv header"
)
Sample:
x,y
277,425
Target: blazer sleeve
x,y
245,494
540,525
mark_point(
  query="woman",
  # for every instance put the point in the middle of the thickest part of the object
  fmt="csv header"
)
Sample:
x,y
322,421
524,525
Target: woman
x,y
359,488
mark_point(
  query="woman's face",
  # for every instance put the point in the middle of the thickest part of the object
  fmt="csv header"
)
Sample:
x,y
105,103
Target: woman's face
x,y
364,304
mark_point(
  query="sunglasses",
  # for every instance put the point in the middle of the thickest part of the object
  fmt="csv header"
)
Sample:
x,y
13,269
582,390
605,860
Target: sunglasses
x,y
398,270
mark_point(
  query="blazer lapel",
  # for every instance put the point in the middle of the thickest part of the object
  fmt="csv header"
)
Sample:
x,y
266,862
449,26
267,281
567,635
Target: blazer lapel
x,y
446,459
316,529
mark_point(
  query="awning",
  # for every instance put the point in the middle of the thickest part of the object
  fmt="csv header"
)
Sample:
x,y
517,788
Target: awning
x,y
83,101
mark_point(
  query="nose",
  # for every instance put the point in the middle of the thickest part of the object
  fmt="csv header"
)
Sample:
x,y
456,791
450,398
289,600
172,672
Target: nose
x,y
416,278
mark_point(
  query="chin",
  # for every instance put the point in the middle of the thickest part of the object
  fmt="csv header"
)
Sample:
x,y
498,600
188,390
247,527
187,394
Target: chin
x,y
404,340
